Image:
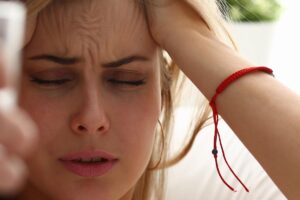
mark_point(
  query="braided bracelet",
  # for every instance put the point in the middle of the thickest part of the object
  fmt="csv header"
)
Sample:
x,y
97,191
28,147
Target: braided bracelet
x,y
235,76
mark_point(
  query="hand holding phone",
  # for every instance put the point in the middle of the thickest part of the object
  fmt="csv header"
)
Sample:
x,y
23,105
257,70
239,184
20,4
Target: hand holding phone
x,y
17,131
12,17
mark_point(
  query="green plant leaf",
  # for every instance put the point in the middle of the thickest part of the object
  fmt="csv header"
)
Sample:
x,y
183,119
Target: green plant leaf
x,y
253,10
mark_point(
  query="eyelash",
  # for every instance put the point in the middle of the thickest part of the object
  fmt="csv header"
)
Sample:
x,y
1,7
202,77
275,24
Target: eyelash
x,y
59,82
131,83
50,82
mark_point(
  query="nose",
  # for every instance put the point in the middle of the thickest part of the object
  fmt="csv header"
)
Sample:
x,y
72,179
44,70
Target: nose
x,y
90,117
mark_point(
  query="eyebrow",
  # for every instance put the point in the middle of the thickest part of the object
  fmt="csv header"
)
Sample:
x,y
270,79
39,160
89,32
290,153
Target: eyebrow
x,y
74,60
56,59
124,61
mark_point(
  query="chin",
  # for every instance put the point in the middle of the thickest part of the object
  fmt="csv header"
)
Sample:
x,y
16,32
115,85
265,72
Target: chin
x,y
89,196
88,191
83,190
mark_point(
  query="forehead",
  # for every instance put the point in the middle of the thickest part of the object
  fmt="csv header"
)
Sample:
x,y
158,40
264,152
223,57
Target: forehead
x,y
75,25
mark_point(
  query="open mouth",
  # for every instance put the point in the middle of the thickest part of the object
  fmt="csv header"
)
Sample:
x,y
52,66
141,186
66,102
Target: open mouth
x,y
88,164
95,160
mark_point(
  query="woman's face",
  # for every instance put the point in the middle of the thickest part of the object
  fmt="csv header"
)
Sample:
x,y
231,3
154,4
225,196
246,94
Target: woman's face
x,y
91,82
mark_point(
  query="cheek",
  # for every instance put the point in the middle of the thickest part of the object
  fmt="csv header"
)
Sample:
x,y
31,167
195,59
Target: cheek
x,y
135,133
135,123
49,116
138,114
50,119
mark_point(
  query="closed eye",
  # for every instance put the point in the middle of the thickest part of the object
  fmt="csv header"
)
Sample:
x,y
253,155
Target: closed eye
x,y
45,82
132,83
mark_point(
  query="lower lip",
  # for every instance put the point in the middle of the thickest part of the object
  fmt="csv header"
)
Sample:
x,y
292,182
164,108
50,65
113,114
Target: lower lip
x,y
87,169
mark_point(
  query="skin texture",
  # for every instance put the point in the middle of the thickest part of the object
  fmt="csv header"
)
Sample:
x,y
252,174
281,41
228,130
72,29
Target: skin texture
x,y
89,111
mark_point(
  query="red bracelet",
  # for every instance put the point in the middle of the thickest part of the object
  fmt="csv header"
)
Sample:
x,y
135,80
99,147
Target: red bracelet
x,y
212,103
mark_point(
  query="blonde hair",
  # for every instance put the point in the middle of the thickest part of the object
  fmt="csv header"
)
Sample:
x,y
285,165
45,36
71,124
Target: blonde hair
x,y
151,184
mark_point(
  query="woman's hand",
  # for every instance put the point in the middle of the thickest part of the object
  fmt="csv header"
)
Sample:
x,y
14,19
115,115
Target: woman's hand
x,y
169,18
18,137
179,28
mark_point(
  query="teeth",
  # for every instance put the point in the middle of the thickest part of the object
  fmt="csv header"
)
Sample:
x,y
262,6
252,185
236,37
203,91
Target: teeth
x,y
88,160
97,159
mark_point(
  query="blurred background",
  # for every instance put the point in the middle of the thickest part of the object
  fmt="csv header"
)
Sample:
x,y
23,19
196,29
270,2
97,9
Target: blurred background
x,y
268,33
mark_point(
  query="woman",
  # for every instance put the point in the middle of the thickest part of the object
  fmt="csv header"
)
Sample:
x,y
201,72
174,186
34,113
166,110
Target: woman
x,y
95,84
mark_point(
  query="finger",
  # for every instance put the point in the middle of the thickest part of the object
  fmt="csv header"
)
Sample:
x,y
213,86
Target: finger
x,y
2,73
18,133
30,131
12,173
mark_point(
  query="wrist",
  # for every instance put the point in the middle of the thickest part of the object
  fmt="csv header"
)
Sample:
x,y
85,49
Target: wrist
x,y
204,60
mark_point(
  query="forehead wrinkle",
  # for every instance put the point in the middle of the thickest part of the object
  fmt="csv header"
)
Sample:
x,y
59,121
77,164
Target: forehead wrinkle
x,y
87,19
87,26
74,22
87,30
99,26
89,53
132,25
128,22
54,20
96,26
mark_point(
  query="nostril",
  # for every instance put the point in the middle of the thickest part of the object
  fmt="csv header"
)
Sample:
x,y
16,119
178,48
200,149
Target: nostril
x,y
89,129
81,128
100,128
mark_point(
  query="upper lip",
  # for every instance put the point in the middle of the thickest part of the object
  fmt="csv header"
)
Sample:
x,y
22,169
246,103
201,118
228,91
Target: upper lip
x,y
88,155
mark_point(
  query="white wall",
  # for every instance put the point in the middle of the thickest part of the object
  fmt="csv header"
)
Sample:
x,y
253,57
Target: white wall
x,y
285,54
276,45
